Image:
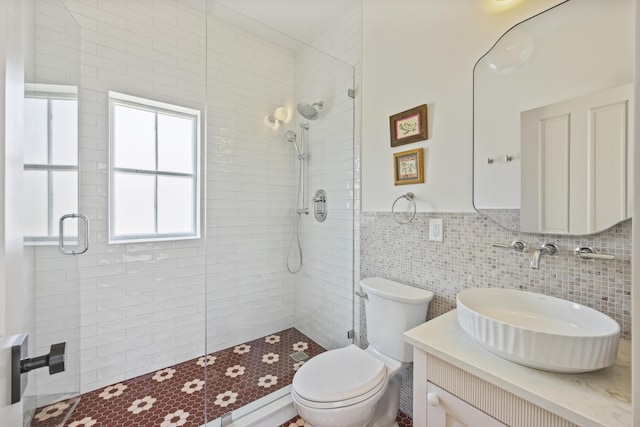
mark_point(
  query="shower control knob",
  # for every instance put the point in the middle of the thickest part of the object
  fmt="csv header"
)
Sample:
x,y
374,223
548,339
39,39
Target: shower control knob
x,y
320,205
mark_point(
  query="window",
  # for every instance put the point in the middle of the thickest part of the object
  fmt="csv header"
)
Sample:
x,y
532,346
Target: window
x,y
154,170
50,160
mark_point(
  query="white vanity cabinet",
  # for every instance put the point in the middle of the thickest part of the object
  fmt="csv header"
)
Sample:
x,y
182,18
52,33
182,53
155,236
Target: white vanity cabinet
x,y
458,383
446,410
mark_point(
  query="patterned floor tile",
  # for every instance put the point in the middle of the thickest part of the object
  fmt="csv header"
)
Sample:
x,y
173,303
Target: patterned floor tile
x,y
177,396
403,421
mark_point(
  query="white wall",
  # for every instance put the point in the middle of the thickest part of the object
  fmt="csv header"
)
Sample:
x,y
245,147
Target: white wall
x,y
418,52
250,186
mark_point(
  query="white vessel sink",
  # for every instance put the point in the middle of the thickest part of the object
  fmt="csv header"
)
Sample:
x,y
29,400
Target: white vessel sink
x,y
539,331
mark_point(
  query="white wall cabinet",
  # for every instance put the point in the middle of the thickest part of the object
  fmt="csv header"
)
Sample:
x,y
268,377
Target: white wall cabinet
x,y
446,410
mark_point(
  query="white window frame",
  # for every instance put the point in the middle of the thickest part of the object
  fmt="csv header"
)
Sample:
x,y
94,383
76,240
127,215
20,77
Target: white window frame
x,y
52,92
116,98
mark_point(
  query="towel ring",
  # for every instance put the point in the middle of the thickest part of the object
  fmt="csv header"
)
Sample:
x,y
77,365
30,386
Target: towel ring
x,y
409,197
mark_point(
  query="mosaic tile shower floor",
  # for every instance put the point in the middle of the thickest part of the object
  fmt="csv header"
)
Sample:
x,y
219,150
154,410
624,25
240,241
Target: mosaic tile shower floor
x,y
176,396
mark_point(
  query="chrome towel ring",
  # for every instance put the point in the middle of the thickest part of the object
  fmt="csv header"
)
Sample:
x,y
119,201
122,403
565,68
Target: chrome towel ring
x,y
409,214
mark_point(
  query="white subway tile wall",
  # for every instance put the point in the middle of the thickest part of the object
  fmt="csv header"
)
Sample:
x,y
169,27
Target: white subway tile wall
x,y
144,306
250,187
466,259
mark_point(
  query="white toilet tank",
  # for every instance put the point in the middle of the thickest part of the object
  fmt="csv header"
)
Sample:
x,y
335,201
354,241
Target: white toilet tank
x,y
391,309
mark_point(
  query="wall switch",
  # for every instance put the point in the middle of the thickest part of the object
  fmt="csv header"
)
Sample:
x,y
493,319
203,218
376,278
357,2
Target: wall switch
x,y
435,229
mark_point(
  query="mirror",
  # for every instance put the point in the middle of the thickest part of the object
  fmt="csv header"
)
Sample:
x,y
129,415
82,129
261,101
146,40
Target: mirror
x,y
553,120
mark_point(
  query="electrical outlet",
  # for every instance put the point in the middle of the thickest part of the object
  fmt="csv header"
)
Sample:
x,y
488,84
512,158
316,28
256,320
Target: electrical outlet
x,y
435,229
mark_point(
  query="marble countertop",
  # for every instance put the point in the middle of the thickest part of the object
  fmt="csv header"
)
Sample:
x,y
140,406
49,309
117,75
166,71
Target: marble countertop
x,y
600,398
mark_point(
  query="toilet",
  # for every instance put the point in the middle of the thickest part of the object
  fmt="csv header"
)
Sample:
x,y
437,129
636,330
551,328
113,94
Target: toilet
x,y
351,387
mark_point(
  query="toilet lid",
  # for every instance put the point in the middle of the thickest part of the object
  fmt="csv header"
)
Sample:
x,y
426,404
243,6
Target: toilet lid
x,y
338,375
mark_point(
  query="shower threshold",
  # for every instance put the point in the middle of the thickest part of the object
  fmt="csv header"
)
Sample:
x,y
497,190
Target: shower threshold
x,y
177,396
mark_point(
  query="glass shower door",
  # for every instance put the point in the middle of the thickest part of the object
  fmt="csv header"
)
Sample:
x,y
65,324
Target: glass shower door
x,y
56,233
262,320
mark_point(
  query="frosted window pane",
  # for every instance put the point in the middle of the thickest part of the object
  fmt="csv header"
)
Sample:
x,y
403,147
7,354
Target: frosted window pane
x,y
65,200
175,205
175,144
133,198
35,204
134,138
64,132
35,131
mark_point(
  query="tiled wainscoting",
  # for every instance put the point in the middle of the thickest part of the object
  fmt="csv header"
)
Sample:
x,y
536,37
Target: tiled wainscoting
x,y
466,259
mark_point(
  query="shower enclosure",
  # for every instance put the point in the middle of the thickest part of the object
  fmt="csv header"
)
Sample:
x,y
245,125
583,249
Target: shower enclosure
x,y
153,121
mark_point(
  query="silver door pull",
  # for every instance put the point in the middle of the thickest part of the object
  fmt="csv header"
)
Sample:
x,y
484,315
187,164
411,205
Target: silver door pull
x,y
61,246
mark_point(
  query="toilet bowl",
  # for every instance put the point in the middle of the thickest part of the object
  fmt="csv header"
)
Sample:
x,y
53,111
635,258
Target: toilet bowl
x,y
352,387
341,388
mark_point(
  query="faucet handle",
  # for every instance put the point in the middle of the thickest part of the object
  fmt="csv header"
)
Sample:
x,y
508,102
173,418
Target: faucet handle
x,y
549,248
516,246
520,246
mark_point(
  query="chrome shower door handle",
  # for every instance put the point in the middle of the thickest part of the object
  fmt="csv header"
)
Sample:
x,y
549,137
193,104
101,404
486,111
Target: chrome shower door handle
x,y
85,247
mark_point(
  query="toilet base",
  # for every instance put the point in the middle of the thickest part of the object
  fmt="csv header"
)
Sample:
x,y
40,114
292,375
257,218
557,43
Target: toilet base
x,y
386,411
384,414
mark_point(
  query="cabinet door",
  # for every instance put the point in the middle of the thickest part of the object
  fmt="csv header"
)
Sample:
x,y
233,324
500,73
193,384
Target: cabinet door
x,y
577,178
446,410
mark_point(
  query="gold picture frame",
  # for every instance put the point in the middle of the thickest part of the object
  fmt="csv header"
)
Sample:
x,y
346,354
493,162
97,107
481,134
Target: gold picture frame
x,y
409,126
408,167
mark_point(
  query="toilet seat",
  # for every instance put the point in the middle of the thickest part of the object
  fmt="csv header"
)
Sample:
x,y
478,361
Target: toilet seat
x,y
339,378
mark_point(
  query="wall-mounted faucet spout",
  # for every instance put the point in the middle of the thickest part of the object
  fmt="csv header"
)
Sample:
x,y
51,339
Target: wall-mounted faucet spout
x,y
545,249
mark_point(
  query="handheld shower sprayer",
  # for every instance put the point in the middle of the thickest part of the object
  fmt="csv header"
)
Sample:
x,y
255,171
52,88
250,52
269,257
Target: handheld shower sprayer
x,y
291,137
301,208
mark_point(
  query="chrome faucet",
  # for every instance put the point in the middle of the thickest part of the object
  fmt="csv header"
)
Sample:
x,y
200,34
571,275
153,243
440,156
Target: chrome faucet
x,y
545,249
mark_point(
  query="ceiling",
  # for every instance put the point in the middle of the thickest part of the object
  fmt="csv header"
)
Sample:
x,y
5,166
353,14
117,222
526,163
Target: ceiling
x,y
303,20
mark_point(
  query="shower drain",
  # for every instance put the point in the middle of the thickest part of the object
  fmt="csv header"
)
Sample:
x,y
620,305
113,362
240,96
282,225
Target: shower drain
x,y
299,356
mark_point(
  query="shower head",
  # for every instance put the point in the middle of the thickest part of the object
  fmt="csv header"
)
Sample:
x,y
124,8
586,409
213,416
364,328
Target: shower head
x,y
291,137
309,111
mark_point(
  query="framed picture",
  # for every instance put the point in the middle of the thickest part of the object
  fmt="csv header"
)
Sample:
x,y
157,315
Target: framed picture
x,y
408,167
409,126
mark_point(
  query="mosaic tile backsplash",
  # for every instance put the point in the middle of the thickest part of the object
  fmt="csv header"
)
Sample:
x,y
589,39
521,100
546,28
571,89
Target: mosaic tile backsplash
x,y
466,259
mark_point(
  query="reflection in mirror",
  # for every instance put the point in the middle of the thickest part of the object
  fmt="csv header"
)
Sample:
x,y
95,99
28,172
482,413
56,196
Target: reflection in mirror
x,y
553,120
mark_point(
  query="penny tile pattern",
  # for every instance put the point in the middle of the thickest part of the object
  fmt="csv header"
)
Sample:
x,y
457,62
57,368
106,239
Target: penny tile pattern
x,y
179,395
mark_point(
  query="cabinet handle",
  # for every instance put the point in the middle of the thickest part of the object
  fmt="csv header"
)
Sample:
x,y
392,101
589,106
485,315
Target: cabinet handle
x,y
433,399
